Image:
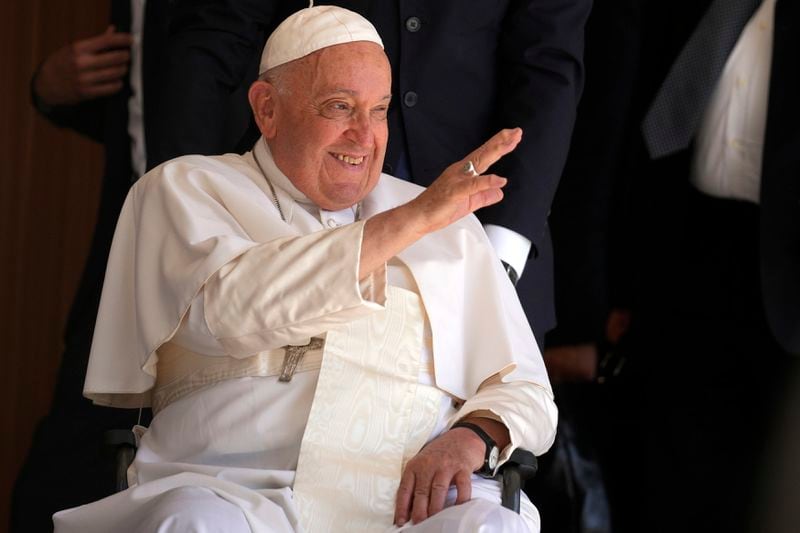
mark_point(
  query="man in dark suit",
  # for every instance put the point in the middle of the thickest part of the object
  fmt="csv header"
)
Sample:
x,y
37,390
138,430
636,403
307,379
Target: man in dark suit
x,y
87,86
461,71
713,253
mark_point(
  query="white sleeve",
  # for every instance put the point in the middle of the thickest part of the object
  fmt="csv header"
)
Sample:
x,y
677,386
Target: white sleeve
x,y
193,333
284,292
509,246
526,409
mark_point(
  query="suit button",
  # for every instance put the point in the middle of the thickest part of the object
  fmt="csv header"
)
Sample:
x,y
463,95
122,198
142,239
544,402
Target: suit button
x,y
413,24
410,99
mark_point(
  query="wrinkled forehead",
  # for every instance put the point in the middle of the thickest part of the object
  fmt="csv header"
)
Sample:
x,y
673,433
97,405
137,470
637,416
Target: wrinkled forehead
x,y
360,67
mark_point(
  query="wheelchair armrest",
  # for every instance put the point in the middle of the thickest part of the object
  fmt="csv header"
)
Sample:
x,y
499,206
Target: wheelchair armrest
x,y
123,444
521,466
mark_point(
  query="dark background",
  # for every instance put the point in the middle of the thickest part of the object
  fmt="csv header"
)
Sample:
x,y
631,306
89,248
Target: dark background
x,y
49,189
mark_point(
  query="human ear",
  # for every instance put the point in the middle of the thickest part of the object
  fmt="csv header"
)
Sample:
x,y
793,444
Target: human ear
x,y
262,101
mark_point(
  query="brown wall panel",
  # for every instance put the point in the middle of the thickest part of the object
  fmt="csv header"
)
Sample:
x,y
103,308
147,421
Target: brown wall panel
x,y
49,187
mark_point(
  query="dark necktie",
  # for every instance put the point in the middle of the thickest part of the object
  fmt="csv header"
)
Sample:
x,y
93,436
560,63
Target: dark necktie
x,y
675,113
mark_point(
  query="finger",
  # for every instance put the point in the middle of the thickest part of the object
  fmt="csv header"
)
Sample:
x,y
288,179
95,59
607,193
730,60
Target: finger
x,y
496,147
104,41
487,182
484,199
103,89
95,77
419,506
112,58
477,185
471,185
480,191
439,487
402,508
463,483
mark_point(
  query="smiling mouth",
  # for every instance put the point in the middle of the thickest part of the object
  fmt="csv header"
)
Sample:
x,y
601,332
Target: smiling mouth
x,y
350,160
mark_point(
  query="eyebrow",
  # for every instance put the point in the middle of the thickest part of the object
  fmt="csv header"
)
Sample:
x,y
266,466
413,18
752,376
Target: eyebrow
x,y
352,93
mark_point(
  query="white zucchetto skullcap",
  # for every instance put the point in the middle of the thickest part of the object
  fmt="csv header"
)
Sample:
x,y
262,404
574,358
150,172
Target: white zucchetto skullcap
x,y
312,29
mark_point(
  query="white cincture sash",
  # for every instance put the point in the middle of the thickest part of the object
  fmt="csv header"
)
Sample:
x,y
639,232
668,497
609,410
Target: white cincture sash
x,y
182,372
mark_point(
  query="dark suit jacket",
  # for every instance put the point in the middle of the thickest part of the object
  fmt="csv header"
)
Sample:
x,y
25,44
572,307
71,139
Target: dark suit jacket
x,y
661,189
780,183
470,68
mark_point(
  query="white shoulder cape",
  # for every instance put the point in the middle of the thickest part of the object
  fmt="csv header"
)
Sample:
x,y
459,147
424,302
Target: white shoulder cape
x,y
187,218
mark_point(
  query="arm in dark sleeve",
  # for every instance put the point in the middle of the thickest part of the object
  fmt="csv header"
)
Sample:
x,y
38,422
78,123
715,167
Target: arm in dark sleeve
x,y
540,79
213,51
86,118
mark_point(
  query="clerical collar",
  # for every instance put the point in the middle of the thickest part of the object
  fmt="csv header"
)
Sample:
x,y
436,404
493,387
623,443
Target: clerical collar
x,y
278,181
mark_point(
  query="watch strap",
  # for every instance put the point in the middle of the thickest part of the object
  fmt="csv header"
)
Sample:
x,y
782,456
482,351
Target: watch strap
x,y
486,469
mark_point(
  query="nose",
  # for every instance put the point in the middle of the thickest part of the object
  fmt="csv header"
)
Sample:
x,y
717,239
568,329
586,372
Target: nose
x,y
360,130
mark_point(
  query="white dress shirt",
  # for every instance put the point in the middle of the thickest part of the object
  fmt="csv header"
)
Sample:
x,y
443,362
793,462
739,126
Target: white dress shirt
x,y
730,141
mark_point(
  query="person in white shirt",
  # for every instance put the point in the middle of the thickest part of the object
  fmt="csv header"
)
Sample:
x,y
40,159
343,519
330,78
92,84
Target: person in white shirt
x,y
325,347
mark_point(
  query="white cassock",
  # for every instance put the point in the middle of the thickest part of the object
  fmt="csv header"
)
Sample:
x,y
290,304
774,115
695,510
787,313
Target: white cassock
x,y
208,279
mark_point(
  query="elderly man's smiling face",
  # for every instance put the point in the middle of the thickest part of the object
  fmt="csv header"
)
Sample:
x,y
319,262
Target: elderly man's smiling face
x,y
325,121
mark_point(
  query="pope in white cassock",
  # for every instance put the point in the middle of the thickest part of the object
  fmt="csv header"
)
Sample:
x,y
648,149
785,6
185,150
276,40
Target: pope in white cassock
x,y
308,330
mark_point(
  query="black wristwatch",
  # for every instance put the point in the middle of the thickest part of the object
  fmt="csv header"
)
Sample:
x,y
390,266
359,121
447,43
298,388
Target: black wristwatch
x,y
492,451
